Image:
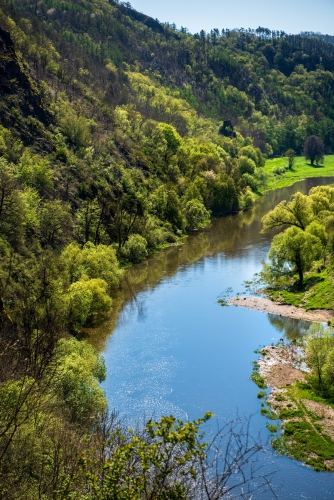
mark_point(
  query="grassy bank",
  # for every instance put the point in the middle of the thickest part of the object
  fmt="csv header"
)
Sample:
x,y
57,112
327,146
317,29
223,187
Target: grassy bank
x,y
301,170
299,417
317,291
307,431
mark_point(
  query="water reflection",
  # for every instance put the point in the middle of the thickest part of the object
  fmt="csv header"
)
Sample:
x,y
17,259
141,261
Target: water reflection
x,y
288,327
234,237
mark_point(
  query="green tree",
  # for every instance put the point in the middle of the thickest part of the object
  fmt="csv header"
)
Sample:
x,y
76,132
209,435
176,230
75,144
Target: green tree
x,y
56,223
11,206
319,231
297,212
291,155
135,248
173,140
293,251
196,214
75,374
95,261
317,347
76,128
314,149
246,165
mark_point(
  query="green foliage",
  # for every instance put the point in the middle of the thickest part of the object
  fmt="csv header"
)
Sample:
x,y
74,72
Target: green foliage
x,y
164,458
76,129
196,214
297,212
94,261
87,297
293,251
103,157
291,155
76,382
258,380
319,352
298,248
135,248
55,223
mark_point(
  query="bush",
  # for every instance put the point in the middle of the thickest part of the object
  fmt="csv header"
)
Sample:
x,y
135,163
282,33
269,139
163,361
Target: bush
x,y
279,170
247,199
135,249
196,213
246,165
258,380
251,181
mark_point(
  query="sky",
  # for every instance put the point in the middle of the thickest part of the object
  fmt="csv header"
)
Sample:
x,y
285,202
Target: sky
x,y
291,16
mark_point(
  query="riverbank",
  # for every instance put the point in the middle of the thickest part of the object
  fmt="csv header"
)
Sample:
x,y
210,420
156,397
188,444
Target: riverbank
x,y
307,428
290,311
302,169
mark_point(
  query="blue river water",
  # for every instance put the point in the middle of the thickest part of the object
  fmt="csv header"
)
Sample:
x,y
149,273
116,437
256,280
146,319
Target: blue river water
x,y
175,350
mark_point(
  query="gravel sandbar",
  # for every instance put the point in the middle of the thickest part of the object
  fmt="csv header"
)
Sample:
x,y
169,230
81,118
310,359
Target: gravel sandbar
x,y
266,305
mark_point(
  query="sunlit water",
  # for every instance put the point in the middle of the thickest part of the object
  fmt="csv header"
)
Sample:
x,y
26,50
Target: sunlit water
x,y
175,350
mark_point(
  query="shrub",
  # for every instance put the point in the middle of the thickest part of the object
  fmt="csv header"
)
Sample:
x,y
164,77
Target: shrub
x,y
135,249
258,380
246,165
196,214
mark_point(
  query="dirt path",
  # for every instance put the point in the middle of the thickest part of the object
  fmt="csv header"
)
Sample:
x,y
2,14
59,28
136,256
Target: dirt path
x,y
266,305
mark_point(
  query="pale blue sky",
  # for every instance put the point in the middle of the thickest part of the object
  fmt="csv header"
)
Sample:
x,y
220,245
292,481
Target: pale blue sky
x,y
291,16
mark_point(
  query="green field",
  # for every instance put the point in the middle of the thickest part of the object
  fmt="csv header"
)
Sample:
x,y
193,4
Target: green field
x,y
301,169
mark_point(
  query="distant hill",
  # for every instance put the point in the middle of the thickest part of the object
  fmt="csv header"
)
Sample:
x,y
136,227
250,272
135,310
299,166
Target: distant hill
x,y
319,36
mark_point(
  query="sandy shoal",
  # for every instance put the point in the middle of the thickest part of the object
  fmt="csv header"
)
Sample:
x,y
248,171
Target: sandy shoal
x,y
266,305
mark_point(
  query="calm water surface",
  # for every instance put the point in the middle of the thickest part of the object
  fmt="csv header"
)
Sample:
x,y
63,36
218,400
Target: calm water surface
x,y
174,349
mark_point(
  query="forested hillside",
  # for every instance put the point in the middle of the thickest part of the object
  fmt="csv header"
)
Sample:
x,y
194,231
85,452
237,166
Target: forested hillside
x,y
118,134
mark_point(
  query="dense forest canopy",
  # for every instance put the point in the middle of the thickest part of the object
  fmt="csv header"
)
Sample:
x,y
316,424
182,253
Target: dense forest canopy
x,y
119,134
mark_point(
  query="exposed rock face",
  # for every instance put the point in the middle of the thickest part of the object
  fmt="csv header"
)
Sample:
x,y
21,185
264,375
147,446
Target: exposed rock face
x,y
19,91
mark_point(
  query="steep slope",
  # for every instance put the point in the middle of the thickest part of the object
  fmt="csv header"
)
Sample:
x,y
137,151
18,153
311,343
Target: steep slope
x,y
20,93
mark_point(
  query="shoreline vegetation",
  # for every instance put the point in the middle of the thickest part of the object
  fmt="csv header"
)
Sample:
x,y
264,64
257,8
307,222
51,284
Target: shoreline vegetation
x,y
298,279
300,267
306,428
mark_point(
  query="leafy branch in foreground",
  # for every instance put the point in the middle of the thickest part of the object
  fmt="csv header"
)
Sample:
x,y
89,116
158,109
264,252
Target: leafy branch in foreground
x,y
168,459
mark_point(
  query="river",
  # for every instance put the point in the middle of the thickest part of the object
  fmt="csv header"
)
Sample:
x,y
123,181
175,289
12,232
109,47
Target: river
x,y
175,350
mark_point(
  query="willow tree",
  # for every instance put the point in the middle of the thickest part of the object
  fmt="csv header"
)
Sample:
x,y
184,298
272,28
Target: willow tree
x,y
294,251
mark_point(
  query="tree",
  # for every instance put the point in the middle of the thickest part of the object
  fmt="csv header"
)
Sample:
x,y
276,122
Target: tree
x,y
320,232
75,374
291,155
314,149
297,212
294,251
196,214
317,348
11,206
94,261
56,222
246,165
135,248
